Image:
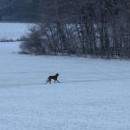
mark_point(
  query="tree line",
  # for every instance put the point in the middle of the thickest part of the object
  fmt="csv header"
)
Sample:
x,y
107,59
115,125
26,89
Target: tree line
x,y
19,10
98,28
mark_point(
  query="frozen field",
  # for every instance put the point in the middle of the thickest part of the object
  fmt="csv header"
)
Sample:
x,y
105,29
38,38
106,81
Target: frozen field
x,y
93,94
13,31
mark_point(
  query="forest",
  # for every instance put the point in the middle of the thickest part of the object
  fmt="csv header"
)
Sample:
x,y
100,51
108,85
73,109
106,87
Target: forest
x,y
96,28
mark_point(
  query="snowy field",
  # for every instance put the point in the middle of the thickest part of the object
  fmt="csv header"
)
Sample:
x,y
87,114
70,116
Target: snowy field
x,y
13,31
94,94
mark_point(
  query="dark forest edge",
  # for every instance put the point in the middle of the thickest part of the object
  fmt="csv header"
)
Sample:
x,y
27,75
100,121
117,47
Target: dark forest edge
x,y
96,28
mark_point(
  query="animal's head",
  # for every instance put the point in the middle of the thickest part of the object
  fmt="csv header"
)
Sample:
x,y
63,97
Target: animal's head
x,y
57,74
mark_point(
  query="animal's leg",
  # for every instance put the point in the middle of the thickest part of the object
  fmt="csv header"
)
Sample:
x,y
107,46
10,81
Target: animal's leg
x,y
58,81
46,82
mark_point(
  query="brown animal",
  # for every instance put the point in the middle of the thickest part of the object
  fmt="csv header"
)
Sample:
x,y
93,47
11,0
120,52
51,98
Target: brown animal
x,y
54,77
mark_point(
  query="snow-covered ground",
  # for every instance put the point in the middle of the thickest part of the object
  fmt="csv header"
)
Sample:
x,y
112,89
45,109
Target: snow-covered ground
x,y
13,31
94,94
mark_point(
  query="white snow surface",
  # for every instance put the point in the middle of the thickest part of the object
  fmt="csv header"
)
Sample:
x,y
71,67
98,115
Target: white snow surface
x,y
94,94
13,31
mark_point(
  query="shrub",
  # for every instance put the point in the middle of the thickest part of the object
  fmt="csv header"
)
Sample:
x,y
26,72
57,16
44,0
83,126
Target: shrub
x,y
32,43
